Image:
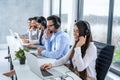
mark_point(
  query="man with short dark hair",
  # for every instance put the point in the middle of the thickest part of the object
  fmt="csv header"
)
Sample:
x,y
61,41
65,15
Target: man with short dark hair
x,y
57,42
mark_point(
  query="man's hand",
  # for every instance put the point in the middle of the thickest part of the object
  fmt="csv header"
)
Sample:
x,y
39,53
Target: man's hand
x,y
48,34
40,50
31,46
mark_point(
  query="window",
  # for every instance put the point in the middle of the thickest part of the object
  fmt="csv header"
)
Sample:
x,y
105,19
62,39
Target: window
x,y
97,15
66,13
46,8
116,36
66,17
55,7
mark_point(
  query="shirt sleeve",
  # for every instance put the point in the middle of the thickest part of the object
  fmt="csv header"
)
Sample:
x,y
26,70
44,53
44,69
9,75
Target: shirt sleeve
x,y
58,52
26,34
62,60
83,63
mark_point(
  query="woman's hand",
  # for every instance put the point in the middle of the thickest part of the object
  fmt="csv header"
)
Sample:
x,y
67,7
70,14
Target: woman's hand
x,y
40,50
21,36
31,46
81,41
31,29
46,66
25,40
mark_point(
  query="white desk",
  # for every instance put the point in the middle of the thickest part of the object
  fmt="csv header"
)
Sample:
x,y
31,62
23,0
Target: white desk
x,y
23,72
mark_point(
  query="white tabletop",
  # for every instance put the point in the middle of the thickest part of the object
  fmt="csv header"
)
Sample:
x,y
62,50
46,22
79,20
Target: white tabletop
x,y
23,72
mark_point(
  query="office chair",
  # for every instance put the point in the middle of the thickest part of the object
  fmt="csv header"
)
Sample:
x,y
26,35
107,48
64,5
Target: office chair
x,y
104,58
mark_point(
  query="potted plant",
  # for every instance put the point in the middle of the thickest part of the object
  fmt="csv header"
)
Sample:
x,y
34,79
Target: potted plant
x,y
20,54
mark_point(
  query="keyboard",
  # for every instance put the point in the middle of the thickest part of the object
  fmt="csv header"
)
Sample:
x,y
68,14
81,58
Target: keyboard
x,y
46,73
36,55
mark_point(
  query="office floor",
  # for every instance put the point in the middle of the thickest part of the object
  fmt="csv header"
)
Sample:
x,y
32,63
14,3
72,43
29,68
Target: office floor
x,y
4,65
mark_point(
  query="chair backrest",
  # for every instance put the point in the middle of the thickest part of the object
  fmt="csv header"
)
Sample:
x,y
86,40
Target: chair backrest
x,y
104,58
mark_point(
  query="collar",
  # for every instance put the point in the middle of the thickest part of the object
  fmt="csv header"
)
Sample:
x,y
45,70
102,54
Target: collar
x,y
55,34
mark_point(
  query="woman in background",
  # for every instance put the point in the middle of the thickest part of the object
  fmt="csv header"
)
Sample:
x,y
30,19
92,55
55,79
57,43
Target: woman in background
x,y
26,34
42,26
33,31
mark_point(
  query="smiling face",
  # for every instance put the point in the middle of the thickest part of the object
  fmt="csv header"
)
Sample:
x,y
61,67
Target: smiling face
x,y
33,23
76,33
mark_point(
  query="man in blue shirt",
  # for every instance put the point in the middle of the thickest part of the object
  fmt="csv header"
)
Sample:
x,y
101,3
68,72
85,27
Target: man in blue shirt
x,y
57,42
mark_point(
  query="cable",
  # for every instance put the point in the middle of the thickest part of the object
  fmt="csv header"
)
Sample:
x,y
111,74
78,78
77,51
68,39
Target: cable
x,y
63,77
66,76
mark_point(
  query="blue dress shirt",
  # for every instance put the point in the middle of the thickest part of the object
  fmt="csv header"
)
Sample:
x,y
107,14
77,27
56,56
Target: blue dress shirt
x,y
57,46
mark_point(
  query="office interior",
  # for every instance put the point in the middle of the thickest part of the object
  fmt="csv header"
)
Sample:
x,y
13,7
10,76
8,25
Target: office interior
x,y
103,16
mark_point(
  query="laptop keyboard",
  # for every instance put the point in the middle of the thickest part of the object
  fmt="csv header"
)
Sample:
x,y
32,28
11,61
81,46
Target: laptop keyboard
x,y
36,55
46,73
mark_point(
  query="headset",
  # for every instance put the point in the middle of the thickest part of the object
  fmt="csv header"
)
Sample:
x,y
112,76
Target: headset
x,y
87,31
44,23
42,20
57,24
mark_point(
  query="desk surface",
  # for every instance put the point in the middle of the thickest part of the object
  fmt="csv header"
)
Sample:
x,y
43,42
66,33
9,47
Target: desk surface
x,y
23,72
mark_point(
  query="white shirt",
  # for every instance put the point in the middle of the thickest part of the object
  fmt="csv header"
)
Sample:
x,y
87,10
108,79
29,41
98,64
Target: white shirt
x,y
36,37
33,34
87,62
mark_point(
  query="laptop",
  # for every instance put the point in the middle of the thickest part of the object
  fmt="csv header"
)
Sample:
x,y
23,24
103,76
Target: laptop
x,y
22,43
20,40
35,68
12,33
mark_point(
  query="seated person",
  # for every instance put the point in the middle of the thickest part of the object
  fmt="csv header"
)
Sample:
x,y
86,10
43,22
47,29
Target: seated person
x,y
82,55
33,32
57,42
42,26
25,35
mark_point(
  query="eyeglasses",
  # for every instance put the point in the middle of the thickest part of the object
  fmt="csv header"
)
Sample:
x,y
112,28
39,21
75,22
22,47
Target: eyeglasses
x,y
50,25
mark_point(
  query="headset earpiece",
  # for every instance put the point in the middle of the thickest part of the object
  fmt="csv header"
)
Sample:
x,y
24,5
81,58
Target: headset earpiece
x,y
43,23
87,31
57,23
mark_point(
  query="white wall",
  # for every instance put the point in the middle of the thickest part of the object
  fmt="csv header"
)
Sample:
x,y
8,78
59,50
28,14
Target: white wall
x,y
14,15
